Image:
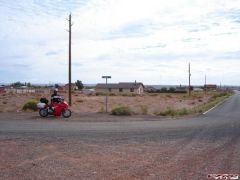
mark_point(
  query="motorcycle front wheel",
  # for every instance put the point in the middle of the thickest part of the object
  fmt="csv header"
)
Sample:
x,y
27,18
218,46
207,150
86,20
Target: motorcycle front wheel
x,y
66,113
43,112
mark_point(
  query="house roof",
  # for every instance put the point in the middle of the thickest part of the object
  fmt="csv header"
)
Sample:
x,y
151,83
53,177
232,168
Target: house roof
x,y
123,85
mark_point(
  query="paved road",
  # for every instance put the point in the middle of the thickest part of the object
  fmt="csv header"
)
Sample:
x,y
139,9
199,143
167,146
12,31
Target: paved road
x,y
209,143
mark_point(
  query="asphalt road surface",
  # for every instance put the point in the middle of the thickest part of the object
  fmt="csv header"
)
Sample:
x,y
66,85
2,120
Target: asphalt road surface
x,y
150,148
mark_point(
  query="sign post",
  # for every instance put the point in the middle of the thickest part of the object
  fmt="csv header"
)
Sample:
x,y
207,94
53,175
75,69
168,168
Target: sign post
x,y
106,99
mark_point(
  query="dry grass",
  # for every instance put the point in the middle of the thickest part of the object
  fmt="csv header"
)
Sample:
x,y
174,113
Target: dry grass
x,y
146,104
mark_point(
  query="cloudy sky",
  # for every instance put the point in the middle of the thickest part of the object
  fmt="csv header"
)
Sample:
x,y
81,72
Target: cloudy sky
x,y
151,41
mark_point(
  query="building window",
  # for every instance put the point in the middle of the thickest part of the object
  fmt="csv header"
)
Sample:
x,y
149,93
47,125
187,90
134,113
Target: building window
x,y
109,90
120,90
132,90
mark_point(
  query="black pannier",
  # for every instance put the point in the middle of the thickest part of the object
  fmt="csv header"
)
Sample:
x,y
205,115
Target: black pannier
x,y
44,100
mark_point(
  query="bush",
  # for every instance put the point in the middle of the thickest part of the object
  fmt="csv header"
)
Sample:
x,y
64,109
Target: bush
x,y
182,112
163,89
112,94
129,94
153,94
121,111
101,110
31,105
144,109
171,89
101,94
79,100
169,111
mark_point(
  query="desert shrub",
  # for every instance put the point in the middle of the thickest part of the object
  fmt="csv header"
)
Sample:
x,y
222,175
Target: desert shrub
x,y
101,110
79,100
163,89
153,94
121,111
112,94
144,109
169,111
171,89
129,94
31,105
182,112
101,94
168,96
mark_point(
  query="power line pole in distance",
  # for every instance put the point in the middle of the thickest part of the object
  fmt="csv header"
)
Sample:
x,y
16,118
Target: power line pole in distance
x,y
69,60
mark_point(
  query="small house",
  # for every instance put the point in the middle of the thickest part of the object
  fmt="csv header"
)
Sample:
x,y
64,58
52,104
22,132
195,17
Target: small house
x,y
210,86
121,88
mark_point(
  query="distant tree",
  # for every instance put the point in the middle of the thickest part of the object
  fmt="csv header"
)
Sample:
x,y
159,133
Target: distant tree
x,y
79,84
56,86
29,84
17,84
172,89
163,89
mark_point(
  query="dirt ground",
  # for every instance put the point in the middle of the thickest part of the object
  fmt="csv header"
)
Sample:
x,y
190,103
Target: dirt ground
x,y
82,103
207,145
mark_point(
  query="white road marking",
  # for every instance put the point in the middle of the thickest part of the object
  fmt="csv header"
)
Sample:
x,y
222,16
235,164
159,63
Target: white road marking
x,y
216,106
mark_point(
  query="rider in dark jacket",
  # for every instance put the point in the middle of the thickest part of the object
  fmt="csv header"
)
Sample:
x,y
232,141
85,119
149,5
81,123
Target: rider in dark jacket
x,y
55,97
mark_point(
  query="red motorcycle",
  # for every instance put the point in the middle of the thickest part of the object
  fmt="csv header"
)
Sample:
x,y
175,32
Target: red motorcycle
x,y
58,108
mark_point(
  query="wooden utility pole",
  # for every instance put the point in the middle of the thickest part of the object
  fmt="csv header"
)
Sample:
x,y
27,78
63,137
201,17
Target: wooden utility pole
x,y
69,58
189,80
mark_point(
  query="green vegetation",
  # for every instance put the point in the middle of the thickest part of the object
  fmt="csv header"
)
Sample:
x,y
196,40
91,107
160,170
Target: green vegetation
x,y
79,84
102,110
129,94
101,94
213,101
144,109
217,98
30,105
122,111
169,111
112,94
17,84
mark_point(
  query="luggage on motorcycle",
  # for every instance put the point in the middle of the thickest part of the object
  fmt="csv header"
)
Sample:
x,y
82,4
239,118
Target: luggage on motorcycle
x,y
41,105
44,100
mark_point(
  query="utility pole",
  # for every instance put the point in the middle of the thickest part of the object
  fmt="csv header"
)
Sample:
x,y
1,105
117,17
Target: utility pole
x,y
69,59
189,80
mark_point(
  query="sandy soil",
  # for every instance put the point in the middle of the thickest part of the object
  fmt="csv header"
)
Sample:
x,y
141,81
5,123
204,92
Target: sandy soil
x,y
24,159
82,103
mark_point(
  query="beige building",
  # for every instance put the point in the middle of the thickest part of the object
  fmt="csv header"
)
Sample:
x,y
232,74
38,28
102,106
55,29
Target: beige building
x,y
121,88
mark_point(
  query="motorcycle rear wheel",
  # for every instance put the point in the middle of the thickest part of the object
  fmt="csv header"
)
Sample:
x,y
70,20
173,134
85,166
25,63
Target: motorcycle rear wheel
x,y
43,112
66,113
